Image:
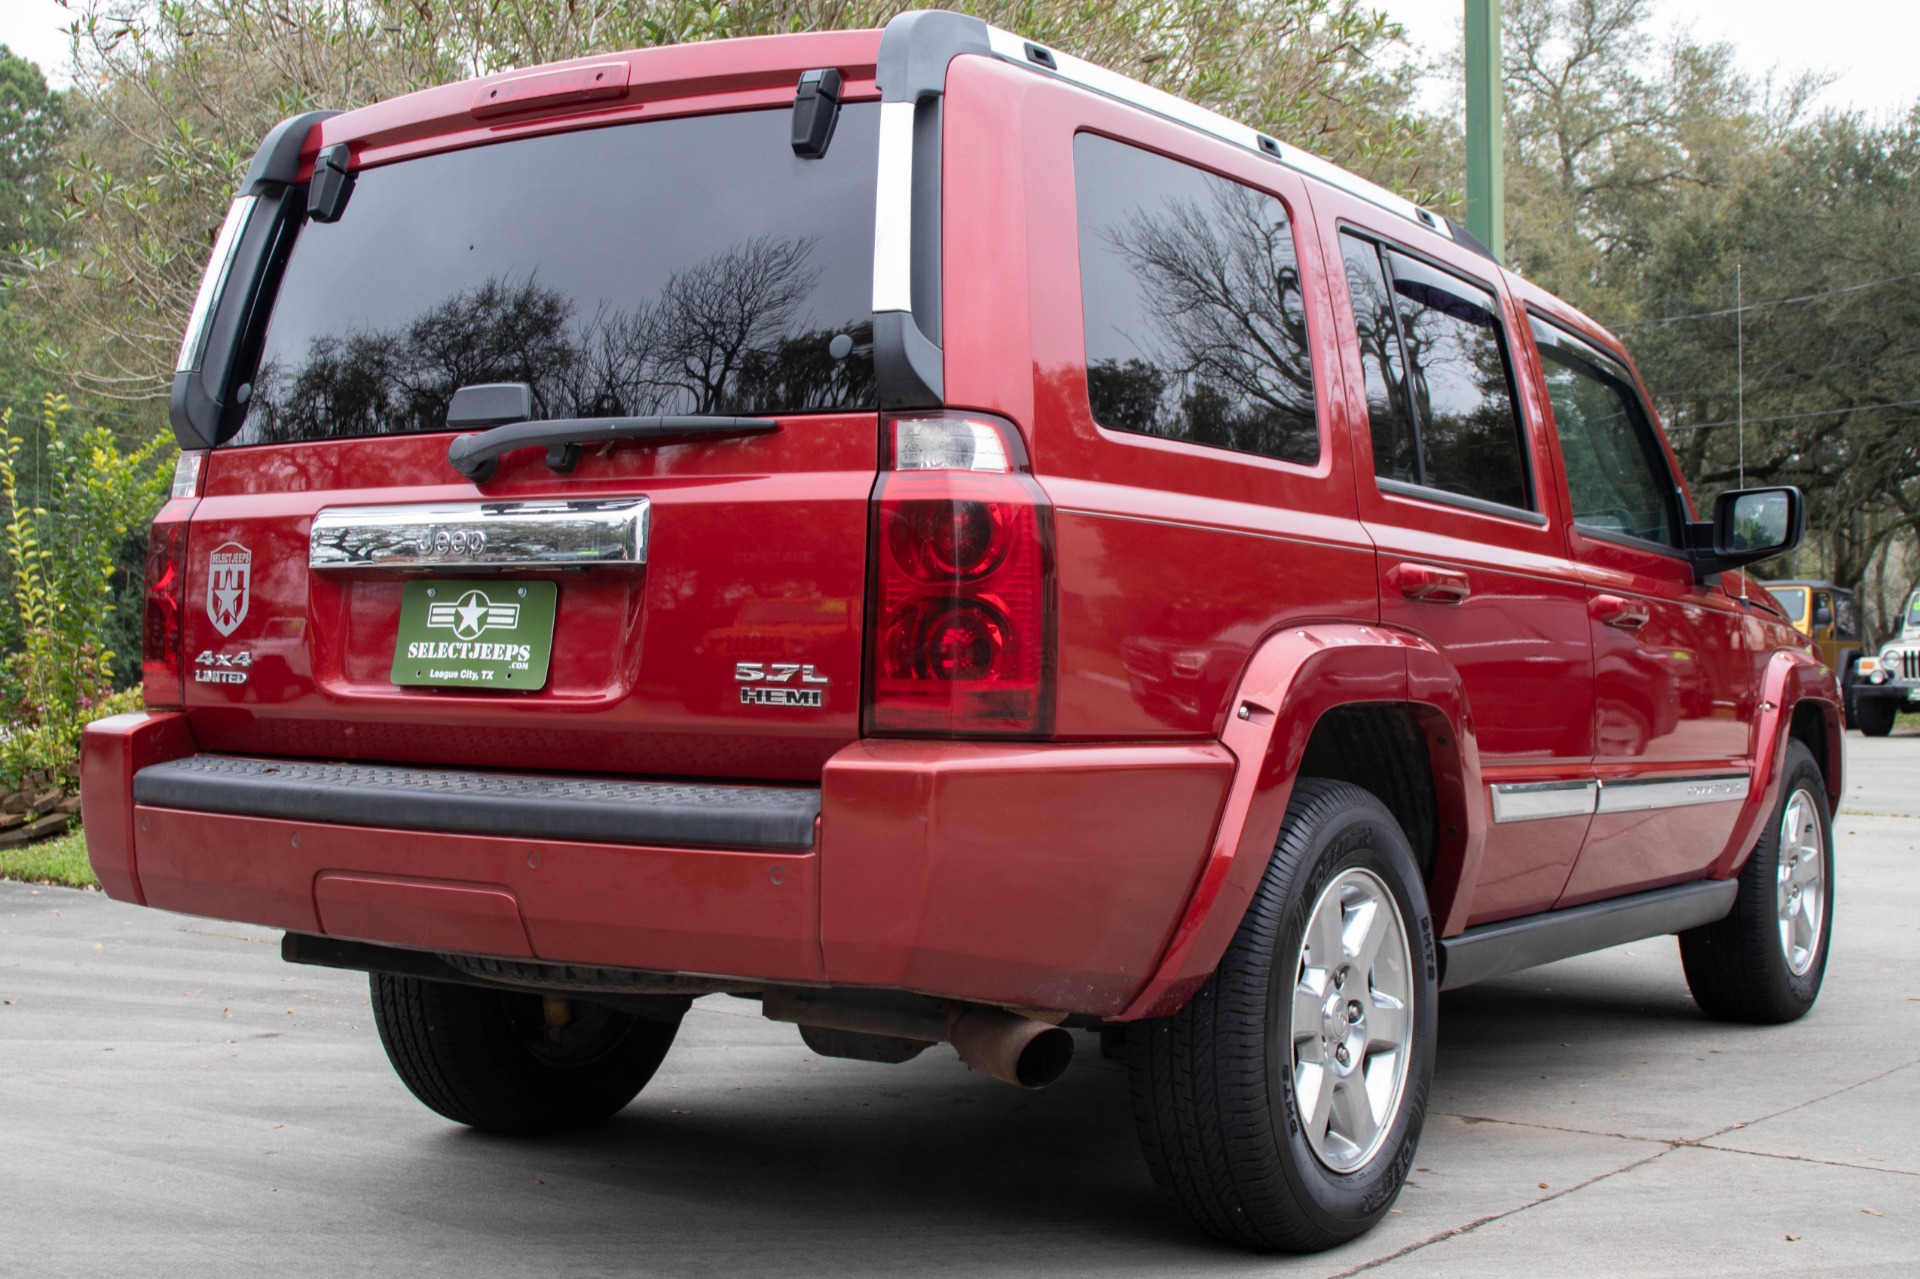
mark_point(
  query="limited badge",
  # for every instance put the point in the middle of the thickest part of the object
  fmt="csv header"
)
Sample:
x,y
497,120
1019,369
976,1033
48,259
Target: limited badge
x,y
229,584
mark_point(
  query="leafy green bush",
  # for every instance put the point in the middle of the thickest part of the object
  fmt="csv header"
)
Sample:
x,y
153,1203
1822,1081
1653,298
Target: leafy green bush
x,y
58,671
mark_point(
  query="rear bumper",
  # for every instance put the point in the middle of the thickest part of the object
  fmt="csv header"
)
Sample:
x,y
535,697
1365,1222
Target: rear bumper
x,y
1037,876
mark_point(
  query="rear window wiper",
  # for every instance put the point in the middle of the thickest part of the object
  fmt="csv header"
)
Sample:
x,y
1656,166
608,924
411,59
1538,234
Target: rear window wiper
x,y
507,408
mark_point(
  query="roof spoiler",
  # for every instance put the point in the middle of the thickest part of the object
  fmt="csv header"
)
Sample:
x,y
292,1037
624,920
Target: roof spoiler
x,y
204,407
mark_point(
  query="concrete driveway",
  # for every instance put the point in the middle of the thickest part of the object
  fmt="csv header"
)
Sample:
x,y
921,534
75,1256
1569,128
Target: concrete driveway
x,y
174,1099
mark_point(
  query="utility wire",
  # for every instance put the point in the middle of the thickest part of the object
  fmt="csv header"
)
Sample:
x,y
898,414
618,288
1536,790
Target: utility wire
x,y
1756,306
1788,417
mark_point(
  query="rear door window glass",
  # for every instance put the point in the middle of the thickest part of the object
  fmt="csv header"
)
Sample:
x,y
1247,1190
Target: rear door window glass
x,y
1196,329
675,266
1439,384
1616,470
1394,450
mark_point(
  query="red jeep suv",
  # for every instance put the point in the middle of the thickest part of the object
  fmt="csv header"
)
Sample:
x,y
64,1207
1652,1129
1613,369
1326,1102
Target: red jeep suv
x,y
957,546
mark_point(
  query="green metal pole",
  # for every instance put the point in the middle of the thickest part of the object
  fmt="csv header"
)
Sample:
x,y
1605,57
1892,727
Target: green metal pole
x,y
1486,198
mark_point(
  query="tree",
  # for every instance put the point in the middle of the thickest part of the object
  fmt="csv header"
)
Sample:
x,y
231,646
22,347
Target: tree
x,y
1644,175
179,95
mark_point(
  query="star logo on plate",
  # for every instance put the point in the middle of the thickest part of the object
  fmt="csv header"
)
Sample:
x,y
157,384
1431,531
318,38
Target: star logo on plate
x,y
473,615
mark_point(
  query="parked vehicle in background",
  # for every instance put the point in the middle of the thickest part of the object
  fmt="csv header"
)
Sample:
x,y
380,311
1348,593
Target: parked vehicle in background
x,y
1889,681
1830,617
952,544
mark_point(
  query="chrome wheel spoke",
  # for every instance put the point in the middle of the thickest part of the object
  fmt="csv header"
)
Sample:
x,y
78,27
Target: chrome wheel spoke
x,y
1388,1025
1368,929
1308,1000
1353,1120
1323,948
1313,1089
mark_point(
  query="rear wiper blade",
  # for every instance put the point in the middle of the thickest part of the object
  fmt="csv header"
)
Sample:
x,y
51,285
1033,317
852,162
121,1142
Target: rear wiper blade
x,y
476,456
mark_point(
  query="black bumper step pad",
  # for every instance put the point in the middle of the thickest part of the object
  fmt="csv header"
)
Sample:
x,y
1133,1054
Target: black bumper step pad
x,y
518,806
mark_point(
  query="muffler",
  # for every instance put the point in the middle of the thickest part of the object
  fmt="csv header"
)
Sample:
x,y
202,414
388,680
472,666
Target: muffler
x,y
1022,1051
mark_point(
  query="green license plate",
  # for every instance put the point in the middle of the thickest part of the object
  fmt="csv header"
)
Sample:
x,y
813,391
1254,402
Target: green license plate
x,y
495,635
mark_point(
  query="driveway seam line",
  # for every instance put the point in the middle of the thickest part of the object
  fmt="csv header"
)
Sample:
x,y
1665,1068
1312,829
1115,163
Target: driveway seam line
x,y
1456,1231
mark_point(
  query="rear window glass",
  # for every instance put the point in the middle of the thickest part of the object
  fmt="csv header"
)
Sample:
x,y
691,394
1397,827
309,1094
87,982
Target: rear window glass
x,y
680,266
1191,291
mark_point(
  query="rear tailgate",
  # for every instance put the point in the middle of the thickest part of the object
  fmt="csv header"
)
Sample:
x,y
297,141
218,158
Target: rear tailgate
x,y
687,265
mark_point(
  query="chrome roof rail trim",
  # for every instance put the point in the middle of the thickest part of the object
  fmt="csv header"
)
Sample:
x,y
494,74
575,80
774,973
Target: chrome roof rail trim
x,y
1013,48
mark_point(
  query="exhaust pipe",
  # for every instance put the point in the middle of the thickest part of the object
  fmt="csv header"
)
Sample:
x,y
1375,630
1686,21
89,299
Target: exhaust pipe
x,y
1022,1051
1019,1050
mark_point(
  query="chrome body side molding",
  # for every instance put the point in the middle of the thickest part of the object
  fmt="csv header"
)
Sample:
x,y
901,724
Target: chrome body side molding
x,y
575,533
1533,801
1636,796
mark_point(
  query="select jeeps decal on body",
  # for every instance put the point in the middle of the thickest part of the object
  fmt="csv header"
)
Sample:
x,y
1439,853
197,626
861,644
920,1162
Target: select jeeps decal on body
x,y
771,684
229,584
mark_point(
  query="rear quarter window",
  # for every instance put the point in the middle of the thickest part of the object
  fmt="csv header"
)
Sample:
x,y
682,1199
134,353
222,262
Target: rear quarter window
x,y
675,266
1190,288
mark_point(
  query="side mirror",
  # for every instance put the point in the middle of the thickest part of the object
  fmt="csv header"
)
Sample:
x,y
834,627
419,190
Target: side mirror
x,y
1749,525
1822,616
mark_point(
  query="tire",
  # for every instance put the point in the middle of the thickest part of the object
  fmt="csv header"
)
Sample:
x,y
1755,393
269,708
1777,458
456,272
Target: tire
x,y
1215,1091
1741,968
1874,715
488,1059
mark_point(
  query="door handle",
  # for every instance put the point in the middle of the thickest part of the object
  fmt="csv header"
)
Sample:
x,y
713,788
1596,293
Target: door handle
x,y
1428,584
1613,610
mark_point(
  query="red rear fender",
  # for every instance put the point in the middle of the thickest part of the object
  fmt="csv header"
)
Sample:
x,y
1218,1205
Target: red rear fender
x,y
1295,678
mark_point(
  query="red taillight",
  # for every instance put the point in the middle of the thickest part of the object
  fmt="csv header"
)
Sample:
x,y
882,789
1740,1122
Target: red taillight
x,y
962,640
162,631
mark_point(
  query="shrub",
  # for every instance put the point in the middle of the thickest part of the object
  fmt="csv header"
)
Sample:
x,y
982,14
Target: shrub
x,y
58,671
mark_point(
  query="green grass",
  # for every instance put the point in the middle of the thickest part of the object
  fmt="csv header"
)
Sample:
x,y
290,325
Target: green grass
x,y
52,861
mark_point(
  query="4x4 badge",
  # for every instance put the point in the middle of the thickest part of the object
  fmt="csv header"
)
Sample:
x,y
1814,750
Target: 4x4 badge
x,y
229,584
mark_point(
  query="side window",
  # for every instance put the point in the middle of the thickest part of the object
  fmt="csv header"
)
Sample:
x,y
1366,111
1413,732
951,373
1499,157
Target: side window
x,y
1616,472
1846,617
1196,329
1439,387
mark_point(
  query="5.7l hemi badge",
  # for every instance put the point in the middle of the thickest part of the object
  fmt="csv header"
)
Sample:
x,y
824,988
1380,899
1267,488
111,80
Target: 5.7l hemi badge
x,y
772,684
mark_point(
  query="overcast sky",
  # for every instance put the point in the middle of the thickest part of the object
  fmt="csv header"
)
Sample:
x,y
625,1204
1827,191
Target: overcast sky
x,y
1870,45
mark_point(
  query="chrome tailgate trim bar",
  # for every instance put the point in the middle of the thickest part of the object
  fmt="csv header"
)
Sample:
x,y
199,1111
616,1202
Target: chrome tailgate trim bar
x,y
574,533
